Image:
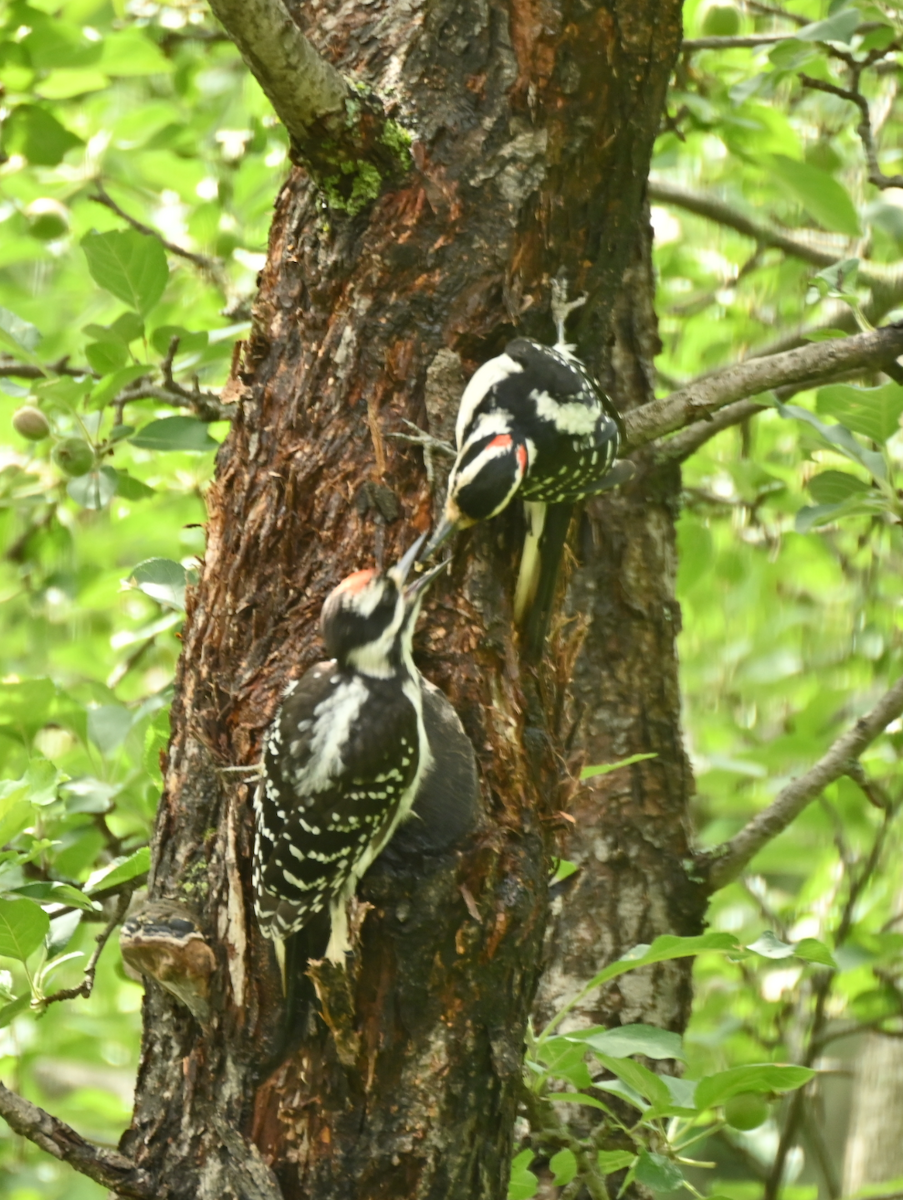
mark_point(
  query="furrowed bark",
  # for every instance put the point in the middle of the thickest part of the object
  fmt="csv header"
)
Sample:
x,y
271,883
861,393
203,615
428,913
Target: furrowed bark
x,y
534,130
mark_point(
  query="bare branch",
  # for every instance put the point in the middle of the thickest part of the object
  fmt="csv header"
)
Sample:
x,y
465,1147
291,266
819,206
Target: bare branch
x,y
86,987
723,864
689,440
864,128
875,275
747,41
809,363
106,1167
210,266
331,122
207,405
9,367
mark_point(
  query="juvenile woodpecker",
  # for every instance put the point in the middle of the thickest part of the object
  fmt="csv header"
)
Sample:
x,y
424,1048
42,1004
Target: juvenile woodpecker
x,y
343,758
532,423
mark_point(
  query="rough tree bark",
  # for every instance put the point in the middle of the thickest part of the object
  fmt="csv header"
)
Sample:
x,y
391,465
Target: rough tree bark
x,y
533,123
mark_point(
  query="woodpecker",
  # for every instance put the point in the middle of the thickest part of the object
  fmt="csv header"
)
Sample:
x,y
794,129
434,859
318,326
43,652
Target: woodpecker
x,y
532,423
343,758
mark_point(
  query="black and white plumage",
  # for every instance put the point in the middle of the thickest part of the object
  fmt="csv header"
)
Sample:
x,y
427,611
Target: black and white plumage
x,y
532,423
343,757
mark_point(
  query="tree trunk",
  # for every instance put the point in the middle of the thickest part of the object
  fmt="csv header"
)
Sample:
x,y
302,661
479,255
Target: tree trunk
x,y
874,1149
533,126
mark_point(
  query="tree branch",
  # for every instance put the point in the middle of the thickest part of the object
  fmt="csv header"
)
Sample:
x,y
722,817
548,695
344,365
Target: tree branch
x,y
875,275
723,864
106,1167
210,266
86,987
809,363
864,128
747,41
19,370
334,125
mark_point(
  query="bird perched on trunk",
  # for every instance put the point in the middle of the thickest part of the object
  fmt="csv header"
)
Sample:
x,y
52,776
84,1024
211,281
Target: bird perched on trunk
x,y
532,423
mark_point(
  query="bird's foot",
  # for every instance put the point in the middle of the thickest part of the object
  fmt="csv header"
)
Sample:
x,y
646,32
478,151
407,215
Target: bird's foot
x,y
562,307
429,444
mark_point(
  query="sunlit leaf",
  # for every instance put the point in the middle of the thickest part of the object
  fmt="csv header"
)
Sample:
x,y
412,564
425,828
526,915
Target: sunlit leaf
x,y
523,1182
759,1077
122,872
174,433
163,580
129,264
821,194
23,926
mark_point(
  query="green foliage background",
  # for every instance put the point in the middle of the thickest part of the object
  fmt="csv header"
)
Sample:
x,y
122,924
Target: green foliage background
x,y
790,550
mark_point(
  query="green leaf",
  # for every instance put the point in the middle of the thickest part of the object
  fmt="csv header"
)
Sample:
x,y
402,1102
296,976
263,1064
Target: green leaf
x,y
120,872
36,134
105,357
615,1160
838,438
94,490
814,951
607,768
769,946
108,726
833,487
175,433
758,1077
564,1167
54,892
826,200
873,412
523,1183
636,1076
577,1098
658,1172
23,926
163,580
20,334
129,264
9,1012
563,870
635,1039
132,489
839,27
108,388
189,341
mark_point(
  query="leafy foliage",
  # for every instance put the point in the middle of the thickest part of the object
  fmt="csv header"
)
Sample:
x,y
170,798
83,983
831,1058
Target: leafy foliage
x,y
140,162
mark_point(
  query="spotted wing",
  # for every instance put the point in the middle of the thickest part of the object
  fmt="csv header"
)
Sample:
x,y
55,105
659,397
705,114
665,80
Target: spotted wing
x,y
338,761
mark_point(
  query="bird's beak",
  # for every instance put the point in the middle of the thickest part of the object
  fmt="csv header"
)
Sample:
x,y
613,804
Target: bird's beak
x,y
402,568
442,531
422,582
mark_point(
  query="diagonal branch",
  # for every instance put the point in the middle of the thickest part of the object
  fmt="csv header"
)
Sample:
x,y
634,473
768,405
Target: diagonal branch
x,y
723,864
86,987
810,363
864,128
106,1167
211,266
874,275
338,129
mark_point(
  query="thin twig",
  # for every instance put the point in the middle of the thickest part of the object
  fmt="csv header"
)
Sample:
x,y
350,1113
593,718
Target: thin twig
x,y
811,363
725,862
743,41
212,266
106,1167
86,987
9,367
864,128
207,405
771,10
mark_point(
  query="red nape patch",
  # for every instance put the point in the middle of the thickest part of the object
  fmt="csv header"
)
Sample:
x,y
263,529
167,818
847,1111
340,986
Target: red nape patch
x,y
522,458
503,439
356,582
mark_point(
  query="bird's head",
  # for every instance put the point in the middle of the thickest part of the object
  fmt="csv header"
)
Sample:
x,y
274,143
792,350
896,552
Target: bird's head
x,y
368,620
489,469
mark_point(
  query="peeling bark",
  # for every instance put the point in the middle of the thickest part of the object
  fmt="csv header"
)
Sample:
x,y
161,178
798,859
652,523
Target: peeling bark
x,y
534,124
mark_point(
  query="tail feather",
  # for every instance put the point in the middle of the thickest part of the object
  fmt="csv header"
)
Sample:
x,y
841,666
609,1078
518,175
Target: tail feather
x,y
540,586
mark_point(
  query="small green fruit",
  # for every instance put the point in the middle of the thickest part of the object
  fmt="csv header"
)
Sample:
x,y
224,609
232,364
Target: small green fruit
x,y
747,1110
31,423
47,219
73,456
721,20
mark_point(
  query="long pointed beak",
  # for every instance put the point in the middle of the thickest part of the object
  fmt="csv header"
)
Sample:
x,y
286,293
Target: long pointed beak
x,y
403,566
443,530
419,585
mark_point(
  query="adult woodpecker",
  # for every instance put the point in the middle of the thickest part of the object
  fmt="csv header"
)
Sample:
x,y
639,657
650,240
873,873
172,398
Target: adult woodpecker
x,y
532,423
356,742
